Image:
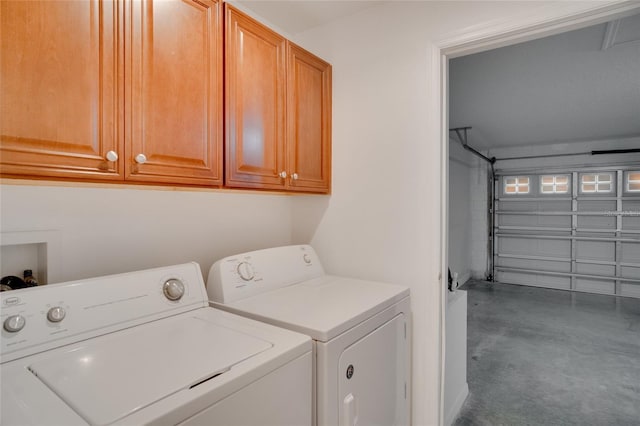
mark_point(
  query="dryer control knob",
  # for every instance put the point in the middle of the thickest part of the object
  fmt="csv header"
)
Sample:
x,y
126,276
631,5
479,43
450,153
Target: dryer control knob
x,y
14,323
306,258
245,270
56,314
173,289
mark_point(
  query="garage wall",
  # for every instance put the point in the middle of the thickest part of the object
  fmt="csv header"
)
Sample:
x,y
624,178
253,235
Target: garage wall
x,y
461,164
468,206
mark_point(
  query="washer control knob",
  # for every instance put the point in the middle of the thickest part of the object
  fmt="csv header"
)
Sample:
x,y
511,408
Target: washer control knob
x,y
173,289
14,323
245,270
56,314
307,258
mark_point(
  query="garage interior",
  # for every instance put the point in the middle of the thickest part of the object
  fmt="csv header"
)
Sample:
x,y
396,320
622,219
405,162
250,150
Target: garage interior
x,y
544,231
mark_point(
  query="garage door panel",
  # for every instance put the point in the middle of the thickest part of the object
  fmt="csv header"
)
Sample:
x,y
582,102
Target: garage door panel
x,y
596,250
560,283
596,222
631,222
595,286
545,265
630,272
526,246
631,252
596,269
630,289
596,205
631,204
534,220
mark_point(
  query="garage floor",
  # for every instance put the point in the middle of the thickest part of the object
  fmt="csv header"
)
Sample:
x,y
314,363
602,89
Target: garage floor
x,y
551,357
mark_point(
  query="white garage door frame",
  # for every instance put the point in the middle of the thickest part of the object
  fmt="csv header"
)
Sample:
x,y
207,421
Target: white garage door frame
x,y
577,240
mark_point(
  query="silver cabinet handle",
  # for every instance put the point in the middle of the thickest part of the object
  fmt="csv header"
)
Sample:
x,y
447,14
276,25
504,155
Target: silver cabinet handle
x,y
294,176
141,158
283,174
112,156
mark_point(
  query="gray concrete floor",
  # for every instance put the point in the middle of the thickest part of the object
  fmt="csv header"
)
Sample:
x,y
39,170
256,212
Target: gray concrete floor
x,y
550,357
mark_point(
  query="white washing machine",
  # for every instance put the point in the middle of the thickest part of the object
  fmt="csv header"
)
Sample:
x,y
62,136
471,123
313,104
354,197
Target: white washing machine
x,y
360,329
145,348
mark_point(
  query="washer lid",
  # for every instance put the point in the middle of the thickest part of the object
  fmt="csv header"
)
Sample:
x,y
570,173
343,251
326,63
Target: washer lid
x,y
323,307
114,376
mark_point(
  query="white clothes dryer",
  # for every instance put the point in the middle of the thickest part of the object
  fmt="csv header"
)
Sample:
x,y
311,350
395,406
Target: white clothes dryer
x,y
360,329
145,348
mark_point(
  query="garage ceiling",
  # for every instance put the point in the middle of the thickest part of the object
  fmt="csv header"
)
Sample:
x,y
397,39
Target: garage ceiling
x,y
582,85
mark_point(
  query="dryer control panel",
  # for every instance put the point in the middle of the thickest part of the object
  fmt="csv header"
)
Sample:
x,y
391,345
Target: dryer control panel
x,y
249,274
35,319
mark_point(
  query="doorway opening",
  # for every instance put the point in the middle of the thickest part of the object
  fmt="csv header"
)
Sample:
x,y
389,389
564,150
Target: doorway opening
x,y
503,186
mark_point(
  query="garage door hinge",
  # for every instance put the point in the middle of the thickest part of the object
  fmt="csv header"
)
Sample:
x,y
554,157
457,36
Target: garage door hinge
x,y
405,331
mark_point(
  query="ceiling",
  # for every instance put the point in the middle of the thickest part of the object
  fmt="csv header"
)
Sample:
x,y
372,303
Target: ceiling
x,y
578,86
297,16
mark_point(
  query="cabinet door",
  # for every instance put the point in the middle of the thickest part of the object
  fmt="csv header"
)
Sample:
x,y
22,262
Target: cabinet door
x,y
59,102
308,121
255,97
174,91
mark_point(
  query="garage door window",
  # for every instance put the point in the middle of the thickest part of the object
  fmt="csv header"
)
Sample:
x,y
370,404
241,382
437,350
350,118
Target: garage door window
x,y
596,182
633,182
554,184
516,185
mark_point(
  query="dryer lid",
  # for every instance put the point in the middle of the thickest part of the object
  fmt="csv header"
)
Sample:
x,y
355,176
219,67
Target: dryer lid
x,y
323,307
116,375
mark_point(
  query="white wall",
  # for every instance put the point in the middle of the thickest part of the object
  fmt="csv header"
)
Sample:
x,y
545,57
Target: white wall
x,y
116,229
383,219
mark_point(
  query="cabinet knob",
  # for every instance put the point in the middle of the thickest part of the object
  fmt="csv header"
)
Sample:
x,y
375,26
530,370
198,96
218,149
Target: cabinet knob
x,y
112,156
294,176
141,158
283,174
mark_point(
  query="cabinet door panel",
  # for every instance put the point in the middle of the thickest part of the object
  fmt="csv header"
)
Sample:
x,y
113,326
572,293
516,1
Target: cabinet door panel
x,y
175,81
59,105
255,96
309,121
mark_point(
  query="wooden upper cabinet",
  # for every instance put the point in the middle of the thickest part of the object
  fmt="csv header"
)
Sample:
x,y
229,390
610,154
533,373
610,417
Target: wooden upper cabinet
x,y
308,121
174,89
58,89
278,110
255,97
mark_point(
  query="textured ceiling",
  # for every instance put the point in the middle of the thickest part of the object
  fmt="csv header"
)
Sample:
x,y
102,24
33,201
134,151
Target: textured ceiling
x,y
570,87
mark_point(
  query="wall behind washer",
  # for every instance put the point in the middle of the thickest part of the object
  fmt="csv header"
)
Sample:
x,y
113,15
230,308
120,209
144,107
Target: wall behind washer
x,y
105,230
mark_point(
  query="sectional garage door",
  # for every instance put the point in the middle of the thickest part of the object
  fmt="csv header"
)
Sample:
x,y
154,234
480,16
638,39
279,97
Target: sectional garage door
x,y
574,230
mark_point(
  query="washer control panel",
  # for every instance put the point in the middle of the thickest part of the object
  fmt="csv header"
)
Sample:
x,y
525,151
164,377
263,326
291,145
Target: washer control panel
x,y
248,274
40,318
